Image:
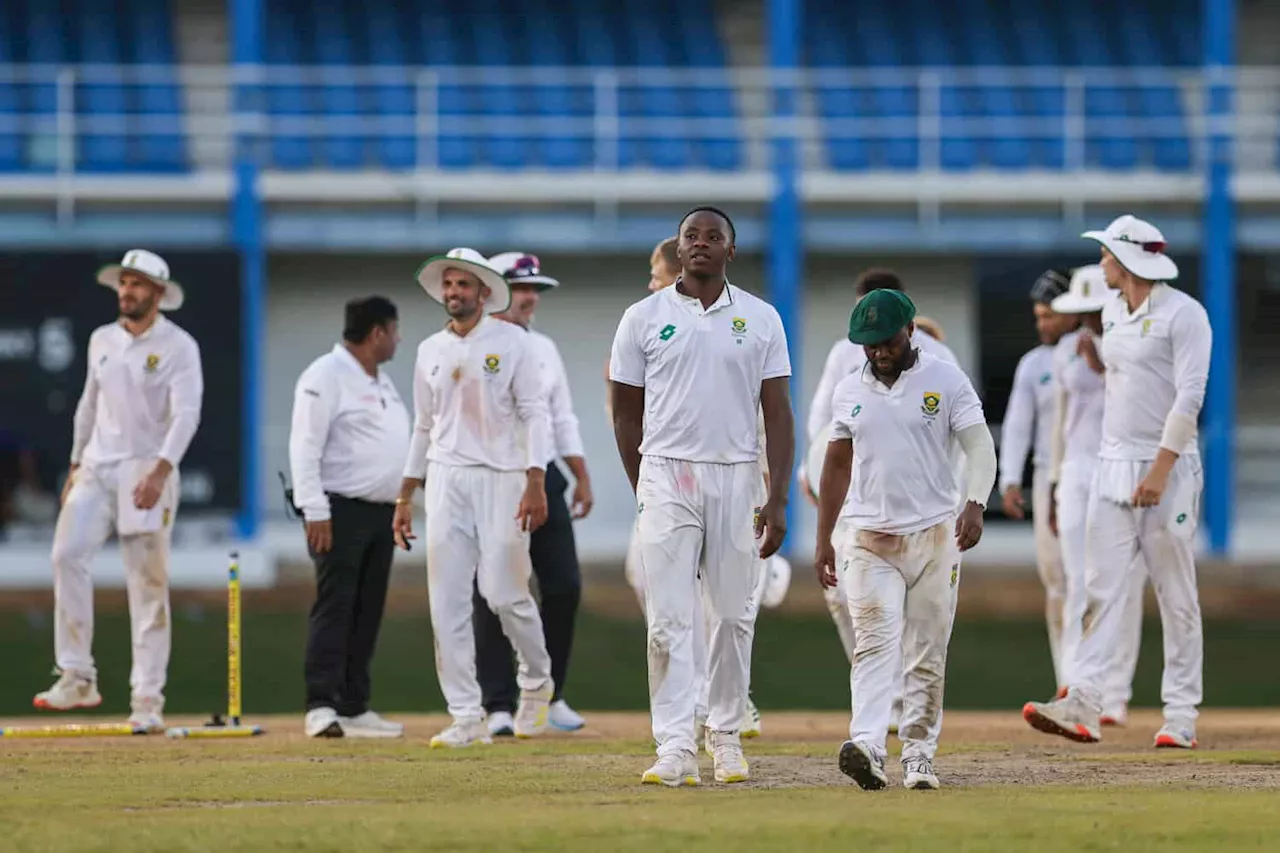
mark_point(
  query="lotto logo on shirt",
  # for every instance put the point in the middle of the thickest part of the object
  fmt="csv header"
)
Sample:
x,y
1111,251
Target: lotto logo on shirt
x,y
667,332
492,363
932,399
153,362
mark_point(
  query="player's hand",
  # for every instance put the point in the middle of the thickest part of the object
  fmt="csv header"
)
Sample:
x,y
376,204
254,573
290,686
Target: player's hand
x,y
969,526
771,527
532,512
66,486
808,491
320,536
824,563
1151,489
1087,348
1011,502
402,526
582,499
1053,510
147,493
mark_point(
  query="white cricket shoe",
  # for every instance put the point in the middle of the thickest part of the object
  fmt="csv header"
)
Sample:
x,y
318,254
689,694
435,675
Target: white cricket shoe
x,y
322,722
863,764
72,690
726,750
146,713
917,774
501,724
675,770
532,713
370,724
564,718
1176,736
751,723
462,733
1069,717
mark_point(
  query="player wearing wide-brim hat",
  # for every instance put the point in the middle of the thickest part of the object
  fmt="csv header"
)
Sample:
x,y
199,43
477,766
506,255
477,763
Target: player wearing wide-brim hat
x,y
1087,292
1138,246
431,277
149,265
523,268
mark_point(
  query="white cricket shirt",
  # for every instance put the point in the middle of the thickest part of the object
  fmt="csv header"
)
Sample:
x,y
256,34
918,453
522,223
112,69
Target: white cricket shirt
x,y
1082,426
701,371
142,395
479,400
565,432
1028,419
349,435
903,478
1157,362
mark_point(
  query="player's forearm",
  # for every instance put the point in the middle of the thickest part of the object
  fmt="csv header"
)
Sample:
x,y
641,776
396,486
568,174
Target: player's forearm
x,y
833,485
628,427
780,451
408,487
578,467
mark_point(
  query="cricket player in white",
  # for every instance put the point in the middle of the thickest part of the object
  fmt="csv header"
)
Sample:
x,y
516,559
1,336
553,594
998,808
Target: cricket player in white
x,y
136,417
1076,436
899,561
481,440
691,367
1028,425
1155,351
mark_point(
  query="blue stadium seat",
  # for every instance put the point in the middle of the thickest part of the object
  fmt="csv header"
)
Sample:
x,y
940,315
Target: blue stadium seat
x,y
46,44
394,99
454,102
159,145
11,109
292,100
552,46
507,108
340,146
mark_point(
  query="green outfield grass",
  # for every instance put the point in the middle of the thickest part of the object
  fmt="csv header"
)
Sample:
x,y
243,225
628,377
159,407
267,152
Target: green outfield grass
x,y
798,662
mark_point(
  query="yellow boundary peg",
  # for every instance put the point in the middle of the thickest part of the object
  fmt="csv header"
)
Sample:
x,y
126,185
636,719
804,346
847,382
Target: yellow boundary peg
x,y
230,727
74,730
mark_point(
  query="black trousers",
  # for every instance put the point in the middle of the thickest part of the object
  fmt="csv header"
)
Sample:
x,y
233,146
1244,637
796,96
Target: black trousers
x,y
351,591
555,565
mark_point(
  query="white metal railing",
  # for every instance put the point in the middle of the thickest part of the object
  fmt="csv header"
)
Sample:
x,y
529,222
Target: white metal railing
x,y
54,111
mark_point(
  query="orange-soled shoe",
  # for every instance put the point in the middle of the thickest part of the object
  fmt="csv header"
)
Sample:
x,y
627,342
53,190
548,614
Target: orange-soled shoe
x,y
1067,718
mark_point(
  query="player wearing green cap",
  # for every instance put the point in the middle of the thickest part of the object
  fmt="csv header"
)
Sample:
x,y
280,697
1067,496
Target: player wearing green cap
x,y
900,562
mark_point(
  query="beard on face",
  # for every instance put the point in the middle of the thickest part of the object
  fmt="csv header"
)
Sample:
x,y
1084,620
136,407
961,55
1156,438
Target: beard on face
x,y
136,309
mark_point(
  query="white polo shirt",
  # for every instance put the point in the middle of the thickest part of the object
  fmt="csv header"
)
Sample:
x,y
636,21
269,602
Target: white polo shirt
x,y
479,400
1082,426
847,357
349,434
903,479
1028,419
701,371
142,395
1157,362
565,432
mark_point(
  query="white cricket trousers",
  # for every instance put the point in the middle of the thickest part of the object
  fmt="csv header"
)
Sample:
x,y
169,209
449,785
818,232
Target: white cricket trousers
x,y
1164,536
101,502
691,513
473,537
1074,488
902,598
1049,567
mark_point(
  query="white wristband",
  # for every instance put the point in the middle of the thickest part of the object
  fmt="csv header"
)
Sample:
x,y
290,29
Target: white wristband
x,y
1179,431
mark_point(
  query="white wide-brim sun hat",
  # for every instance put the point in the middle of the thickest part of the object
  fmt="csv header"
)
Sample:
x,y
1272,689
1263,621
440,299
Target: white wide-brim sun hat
x,y
1087,293
523,268
431,277
1138,246
150,266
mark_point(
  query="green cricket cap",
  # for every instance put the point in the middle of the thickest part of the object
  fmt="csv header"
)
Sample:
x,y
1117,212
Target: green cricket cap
x,y
879,315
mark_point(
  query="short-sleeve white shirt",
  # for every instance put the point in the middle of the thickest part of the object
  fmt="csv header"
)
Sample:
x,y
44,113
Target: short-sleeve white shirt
x,y
701,370
903,477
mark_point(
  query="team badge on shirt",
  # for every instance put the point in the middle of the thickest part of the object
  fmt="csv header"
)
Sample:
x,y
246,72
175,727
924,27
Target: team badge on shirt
x,y
932,399
153,362
164,519
739,328
1146,327
955,573
492,364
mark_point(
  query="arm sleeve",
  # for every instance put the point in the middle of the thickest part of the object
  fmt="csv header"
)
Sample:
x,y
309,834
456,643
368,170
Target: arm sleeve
x,y
415,465
820,405
1191,337
186,395
980,462
564,423
626,359
777,359
1018,428
314,403
86,412
531,407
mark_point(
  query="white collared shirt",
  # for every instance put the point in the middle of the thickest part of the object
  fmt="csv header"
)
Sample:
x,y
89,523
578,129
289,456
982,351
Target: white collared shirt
x,y
349,435
701,370
1082,424
847,357
1157,362
565,432
479,400
903,478
142,395
1028,419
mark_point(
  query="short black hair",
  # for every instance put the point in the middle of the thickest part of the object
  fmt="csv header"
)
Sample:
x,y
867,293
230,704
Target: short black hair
x,y
877,278
706,208
363,315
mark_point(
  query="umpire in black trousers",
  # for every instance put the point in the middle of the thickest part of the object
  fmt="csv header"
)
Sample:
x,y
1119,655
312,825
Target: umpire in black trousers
x,y
347,444
551,547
